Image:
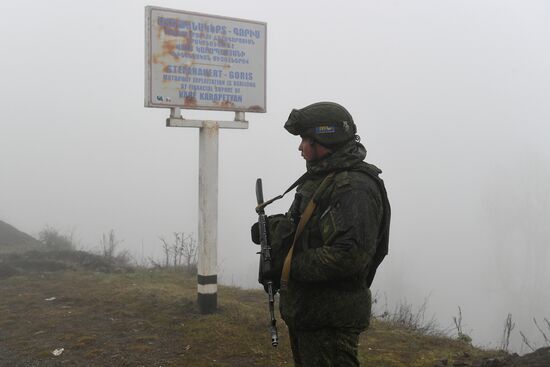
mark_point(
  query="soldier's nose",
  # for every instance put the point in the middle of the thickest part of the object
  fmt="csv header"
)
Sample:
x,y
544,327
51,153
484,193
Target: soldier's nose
x,y
301,146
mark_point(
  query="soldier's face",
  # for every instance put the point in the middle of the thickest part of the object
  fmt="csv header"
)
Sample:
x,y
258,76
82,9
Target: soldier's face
x,y
311,151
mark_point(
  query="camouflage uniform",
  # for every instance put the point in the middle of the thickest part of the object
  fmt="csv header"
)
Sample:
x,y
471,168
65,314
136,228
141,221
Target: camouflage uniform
x,y
328,302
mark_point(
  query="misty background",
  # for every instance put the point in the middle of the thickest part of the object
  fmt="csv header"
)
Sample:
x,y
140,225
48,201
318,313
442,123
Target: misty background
x,y
451,99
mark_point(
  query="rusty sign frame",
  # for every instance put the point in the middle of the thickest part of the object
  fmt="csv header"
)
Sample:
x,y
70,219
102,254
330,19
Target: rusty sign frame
x,y
223,106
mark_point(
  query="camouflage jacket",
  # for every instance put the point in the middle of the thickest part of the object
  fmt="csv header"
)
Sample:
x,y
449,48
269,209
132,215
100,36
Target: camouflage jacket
x,y
344,241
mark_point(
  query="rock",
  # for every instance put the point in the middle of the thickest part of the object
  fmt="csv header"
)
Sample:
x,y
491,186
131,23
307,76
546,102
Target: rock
x,y
489,362
539,358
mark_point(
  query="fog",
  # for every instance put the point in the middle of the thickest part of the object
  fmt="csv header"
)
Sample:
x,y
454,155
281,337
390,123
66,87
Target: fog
x,y
450,99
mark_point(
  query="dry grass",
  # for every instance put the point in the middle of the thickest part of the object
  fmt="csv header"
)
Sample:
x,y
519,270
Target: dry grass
x,y
150,318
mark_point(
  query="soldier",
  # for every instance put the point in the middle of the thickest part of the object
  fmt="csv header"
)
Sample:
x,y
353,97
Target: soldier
x,y
328,268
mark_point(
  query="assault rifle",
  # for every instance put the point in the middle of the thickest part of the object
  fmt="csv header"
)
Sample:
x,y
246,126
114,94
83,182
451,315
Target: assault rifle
x,y
266,262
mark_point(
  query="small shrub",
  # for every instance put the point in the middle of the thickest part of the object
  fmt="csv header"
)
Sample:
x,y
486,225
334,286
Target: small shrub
x,y
508,327
179,253
458,324
53,240
404,316
533,346
108,244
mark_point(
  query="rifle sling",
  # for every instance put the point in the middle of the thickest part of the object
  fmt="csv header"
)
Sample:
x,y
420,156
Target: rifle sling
x,y
304,219
301,179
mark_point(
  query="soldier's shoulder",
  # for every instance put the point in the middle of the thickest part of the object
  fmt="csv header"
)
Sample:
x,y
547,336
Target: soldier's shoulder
x,y
362,176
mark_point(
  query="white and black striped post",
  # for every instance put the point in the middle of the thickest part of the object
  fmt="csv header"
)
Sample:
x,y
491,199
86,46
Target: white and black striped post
x,y
207,275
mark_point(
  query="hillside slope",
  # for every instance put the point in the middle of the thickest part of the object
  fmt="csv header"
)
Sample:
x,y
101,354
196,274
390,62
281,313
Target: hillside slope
x,y
13,240
150,318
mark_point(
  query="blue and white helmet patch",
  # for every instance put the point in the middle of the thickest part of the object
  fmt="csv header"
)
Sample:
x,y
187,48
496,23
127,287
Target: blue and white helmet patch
x,y
327,129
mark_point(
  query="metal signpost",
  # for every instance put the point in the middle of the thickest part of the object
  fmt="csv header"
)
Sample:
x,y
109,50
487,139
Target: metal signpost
x,y
205,62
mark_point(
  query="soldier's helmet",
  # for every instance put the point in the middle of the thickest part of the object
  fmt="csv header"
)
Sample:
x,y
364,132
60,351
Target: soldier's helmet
x,y
328,123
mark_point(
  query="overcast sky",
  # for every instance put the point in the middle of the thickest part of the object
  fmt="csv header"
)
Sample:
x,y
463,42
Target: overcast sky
x,y
451,99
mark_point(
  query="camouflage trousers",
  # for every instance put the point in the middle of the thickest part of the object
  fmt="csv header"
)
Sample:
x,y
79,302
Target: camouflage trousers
x,y
325,347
